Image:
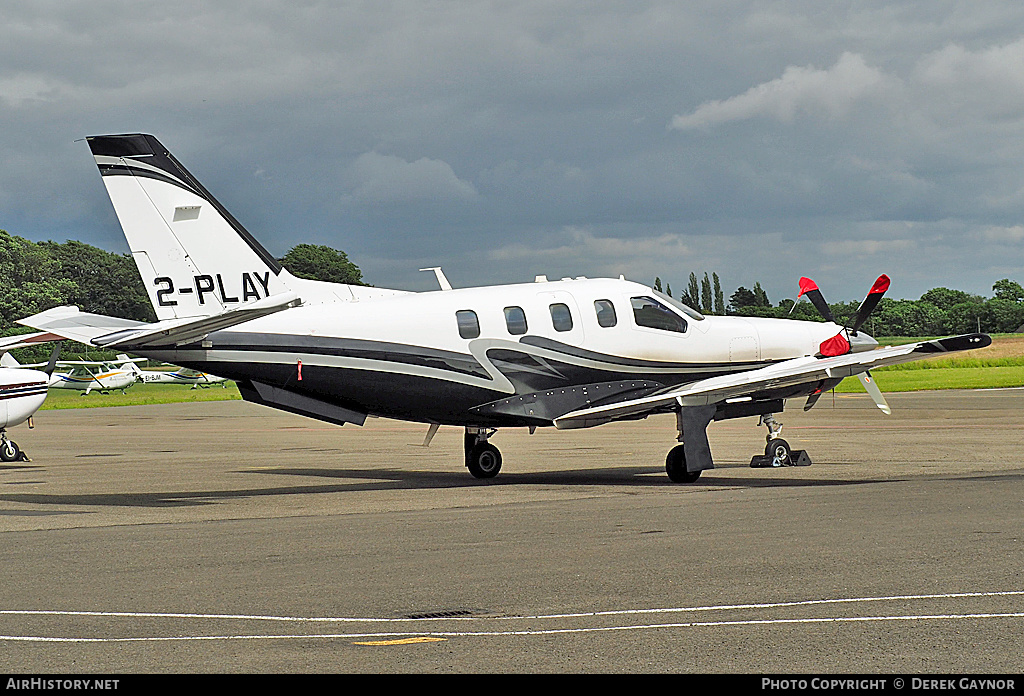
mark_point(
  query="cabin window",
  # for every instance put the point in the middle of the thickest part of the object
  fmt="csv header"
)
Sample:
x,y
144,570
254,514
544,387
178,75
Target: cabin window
x,y
651,314
515,320
561,319
469,325
605,313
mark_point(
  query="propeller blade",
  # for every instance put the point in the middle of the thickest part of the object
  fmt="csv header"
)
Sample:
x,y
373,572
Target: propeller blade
x,y
876,394
870,302
810,288
54,354
811,400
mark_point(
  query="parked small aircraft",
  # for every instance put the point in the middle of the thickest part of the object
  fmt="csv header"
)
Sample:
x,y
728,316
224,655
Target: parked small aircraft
x,y
22,392
572,353
183,375
88,375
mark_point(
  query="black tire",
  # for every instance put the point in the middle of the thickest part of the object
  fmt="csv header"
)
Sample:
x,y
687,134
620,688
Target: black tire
x,y
484,461
9,451
675,466
780,451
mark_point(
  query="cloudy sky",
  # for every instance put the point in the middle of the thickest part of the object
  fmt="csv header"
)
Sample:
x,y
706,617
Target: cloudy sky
x,y
502,140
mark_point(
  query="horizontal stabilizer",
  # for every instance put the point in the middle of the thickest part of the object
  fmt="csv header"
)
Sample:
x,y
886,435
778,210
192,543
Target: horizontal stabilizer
x,y
111,332
181,331
71,323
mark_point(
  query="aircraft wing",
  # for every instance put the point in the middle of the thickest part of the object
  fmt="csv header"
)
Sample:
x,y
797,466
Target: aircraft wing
x,y
111,332
23,340
783,374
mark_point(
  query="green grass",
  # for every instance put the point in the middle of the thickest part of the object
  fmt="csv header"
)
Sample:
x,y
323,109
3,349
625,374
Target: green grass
x,y
139,395
896,380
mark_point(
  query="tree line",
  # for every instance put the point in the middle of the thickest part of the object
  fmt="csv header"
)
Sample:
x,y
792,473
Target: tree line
x,y
940,311
36,276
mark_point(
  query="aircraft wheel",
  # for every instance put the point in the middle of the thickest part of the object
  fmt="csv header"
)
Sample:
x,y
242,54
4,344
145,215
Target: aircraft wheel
x,y
675,466
780,452
9,451
484,461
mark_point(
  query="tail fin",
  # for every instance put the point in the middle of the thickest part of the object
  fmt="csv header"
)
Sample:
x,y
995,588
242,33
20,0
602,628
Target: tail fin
x,y
129,364
195,258
8,360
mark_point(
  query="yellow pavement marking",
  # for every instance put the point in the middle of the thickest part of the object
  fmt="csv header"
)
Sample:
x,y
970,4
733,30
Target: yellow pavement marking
x,y
401,641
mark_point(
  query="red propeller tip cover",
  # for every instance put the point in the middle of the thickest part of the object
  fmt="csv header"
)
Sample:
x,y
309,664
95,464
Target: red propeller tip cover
x,y
881,285
807,285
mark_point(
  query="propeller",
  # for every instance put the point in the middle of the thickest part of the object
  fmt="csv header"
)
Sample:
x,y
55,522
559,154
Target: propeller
x,y
810,288
870,302
876,394
839,344
54,354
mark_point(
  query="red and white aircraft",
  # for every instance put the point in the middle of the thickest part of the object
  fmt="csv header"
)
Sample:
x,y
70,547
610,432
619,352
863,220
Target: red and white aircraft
x,y
22,392
572,353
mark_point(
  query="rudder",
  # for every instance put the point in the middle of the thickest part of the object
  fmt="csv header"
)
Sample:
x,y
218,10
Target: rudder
x,y
195,258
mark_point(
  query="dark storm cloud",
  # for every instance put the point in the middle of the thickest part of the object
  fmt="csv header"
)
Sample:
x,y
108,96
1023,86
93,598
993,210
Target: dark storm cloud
x,y
760,140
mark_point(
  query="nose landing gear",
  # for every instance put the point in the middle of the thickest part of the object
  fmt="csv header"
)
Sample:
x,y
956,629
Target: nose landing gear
x,y
777,452
9,450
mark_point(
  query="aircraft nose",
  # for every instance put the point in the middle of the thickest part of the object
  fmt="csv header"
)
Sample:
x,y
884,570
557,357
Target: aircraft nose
x,y
861,342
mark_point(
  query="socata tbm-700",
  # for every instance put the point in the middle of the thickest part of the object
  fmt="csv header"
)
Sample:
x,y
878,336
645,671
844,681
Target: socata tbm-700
x,y
573,353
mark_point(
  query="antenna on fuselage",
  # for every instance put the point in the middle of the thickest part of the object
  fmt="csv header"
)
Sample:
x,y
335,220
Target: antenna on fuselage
x,y
439,274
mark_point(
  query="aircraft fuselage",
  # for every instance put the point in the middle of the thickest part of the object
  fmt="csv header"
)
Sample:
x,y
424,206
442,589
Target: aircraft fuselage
x,y
458,356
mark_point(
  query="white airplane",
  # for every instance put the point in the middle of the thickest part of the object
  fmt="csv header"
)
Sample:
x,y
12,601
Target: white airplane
x,y
22,392
572,353
88,375
183,375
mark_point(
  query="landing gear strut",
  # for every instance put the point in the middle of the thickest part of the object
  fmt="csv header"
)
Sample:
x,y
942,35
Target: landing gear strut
x,y
685,462
777,452
482,458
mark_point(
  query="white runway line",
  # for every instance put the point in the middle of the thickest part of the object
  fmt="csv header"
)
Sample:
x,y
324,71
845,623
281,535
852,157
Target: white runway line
x,y
535,617
541,632
526,632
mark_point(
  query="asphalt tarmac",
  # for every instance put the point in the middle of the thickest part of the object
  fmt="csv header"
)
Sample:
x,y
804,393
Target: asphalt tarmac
x,y
225,537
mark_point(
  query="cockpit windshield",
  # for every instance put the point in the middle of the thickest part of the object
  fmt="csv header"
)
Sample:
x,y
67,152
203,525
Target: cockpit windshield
x,y
652,314
688,311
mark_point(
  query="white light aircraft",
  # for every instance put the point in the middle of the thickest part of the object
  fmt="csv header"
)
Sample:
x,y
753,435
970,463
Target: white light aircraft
x,y
572,353
88,375
183,375
22,392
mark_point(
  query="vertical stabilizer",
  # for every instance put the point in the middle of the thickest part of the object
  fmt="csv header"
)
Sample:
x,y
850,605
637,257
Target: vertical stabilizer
x,y
195,258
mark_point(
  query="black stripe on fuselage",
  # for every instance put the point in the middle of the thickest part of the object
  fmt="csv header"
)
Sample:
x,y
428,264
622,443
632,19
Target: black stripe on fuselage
x,y
36,390
448,385
421,356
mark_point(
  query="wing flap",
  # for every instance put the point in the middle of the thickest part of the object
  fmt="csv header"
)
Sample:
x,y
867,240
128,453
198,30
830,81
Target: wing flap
x,y
783,374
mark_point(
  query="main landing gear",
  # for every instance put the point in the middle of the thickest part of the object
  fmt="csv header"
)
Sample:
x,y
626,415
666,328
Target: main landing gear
x,y
482,458
675,466
777,452
685,462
